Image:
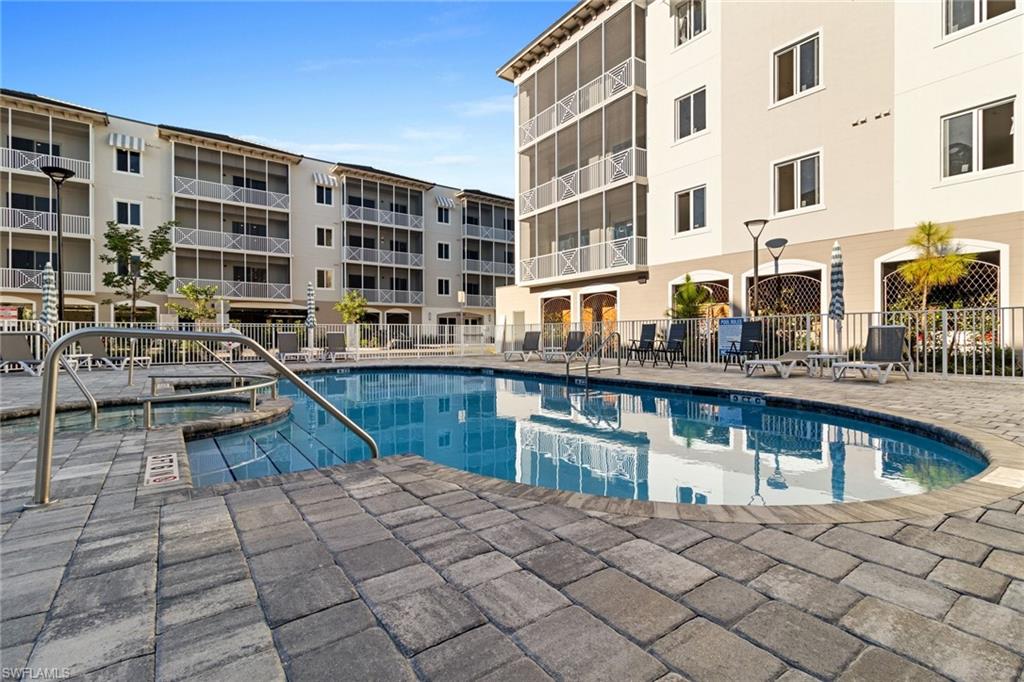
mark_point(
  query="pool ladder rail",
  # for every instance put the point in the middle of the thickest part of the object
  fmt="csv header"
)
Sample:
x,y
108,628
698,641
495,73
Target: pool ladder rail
x,y
597,347
48,401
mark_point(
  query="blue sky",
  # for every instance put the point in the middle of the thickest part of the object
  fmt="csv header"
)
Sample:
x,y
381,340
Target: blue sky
x,y
409,87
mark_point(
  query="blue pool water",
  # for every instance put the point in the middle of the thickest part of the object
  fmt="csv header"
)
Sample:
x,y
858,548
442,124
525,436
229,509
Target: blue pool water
x,y
630,443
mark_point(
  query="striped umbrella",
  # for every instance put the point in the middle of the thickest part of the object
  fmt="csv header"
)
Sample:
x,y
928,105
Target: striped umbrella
x,y
837,306
310,307
48,312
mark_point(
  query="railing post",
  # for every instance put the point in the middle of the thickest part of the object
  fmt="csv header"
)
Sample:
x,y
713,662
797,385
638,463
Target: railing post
x,y
147,415
945,346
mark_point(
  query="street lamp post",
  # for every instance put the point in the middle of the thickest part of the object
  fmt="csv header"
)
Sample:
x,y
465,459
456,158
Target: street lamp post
x,y
755,227
59,175
776,247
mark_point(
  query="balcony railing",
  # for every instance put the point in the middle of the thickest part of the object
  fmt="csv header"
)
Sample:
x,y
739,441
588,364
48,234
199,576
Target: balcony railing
x,y
15,159
218,191
391,296
32,280
213,239
617,254
384,257
608,170
485,232
41,221
488,267
480,300
277,291
613,82
382,217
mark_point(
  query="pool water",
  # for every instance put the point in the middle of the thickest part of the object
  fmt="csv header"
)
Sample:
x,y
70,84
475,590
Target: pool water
x,y
122,417
629,443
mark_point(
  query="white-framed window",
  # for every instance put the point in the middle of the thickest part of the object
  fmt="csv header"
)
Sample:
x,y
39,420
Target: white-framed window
x,y
128,213
444,286
324,278
325,237
961,14
324,195
978,139
444,251
127,161
690,19
798,183
444,215
797,68
691,113
691,209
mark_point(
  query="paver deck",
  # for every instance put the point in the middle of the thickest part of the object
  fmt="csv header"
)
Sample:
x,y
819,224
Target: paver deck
x,y
402,569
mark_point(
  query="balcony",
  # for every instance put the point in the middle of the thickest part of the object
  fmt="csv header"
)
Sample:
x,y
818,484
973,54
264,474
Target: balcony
x,y
617,255
610,169
485,232
615,81
391,296
383,257
212,239
15,159
489,267
206,189
276,291
32,280
479,300
382,217
41,221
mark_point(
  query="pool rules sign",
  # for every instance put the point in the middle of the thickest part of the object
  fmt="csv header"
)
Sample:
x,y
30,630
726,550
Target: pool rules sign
x,y
161,469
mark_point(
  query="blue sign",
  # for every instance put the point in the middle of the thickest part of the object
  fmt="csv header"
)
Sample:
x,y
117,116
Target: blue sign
x,y
729,329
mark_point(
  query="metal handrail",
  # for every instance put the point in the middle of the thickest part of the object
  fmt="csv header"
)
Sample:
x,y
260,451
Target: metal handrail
x,y
261,381
598,352
93,406
48,402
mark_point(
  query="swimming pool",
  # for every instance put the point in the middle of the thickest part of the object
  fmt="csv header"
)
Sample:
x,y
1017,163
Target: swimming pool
x,y
622,442
123,417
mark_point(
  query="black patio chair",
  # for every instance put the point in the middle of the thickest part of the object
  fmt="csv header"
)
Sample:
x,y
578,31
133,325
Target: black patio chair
x,y
673,348
748,347
643,348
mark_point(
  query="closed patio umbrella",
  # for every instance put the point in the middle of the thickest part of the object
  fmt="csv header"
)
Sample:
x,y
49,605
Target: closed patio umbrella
x,y
310,313
48,311
837,306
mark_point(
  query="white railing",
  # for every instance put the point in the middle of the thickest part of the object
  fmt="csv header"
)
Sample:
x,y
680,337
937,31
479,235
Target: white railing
x,y
616,254
480,300
277,291
608,170
15,159
218,191
383,256
487,232
488,267
391,296
619,79
32,280
382,217
213,239
41,221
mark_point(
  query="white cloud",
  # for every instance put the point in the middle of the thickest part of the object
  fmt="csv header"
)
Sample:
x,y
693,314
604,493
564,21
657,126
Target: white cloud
x,y
488,106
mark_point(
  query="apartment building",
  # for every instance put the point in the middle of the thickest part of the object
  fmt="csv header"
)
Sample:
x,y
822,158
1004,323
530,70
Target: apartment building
x,y
647,133
256,222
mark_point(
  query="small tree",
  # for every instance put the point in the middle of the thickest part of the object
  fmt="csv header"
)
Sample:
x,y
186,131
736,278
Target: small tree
x,y
938,262
352,307
688,300
202,299
136,273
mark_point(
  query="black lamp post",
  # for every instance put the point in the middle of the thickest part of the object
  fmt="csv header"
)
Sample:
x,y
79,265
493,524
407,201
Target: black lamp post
x,y
755,227
776,247
59,175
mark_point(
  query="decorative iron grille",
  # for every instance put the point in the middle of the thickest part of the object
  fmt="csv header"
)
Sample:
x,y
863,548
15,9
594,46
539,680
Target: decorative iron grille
x,y
979,288
789,294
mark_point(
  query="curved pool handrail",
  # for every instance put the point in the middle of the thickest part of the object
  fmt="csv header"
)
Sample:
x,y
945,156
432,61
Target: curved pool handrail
x,y
48,401
260,381
93,405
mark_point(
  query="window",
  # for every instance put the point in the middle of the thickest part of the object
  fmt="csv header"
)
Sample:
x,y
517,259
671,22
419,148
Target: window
x,y
444,215
30,202
127,161
690,210
325,237
324,278
444,251
324,195
978,139
250,183
444,405
27,145
128,213
444,287
691,20
796,68
961,14
691,114
798,183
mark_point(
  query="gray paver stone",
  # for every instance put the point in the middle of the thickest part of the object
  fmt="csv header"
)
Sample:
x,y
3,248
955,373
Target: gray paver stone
x,y
251,519
879,550
369,655
515,599
925,597
517,537
1014,596
981,532
1008,563
671,535
943,544
879,664
723,601
85,594
270,538
494,517
560,563
384,504
279,563
730,559
323,627
593,534
421,619
469,656
479,569
30,593
425,529
995,623
375,559
702,651
551,516
201,574
184,651
400,582
209,602
445,549
301,594
810,556
806,591
408,515
962,577
520,670
666,572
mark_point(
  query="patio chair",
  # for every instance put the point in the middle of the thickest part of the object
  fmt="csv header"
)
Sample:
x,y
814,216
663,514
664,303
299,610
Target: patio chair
x,y
643,348
885,351
94,346
783,365
337,347
530,347
573,348
16,353
748,347
673,348
288,347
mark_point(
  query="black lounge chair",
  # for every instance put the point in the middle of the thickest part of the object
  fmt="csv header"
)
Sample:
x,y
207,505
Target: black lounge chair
x,y
530,346
93,345
572,348
673,349
748,347
885,351
16,353
643,348
288,347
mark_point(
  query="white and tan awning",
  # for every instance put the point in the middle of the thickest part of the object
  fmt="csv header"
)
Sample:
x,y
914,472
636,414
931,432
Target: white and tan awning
x,y
445,201
122,141
325,179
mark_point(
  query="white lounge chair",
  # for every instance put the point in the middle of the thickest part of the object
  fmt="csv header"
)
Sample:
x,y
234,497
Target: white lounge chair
x,y
783,365
16,353
337,347
886,351
93,345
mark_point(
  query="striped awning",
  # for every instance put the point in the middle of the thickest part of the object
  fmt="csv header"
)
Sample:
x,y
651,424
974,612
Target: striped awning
x,y
122,141
325,179
445,201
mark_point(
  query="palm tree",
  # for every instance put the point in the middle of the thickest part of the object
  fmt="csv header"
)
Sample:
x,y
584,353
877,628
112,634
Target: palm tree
x,y
689,300
938,262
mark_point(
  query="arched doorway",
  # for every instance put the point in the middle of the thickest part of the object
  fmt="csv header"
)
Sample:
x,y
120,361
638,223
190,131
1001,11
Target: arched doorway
x,y
555,317
599,312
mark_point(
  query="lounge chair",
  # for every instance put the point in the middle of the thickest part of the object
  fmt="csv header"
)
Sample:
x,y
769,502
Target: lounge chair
x,y
886,350
530,347
337,347
288,347
748,347
783,365
673,348
643,348
16,353
573,348
93,345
